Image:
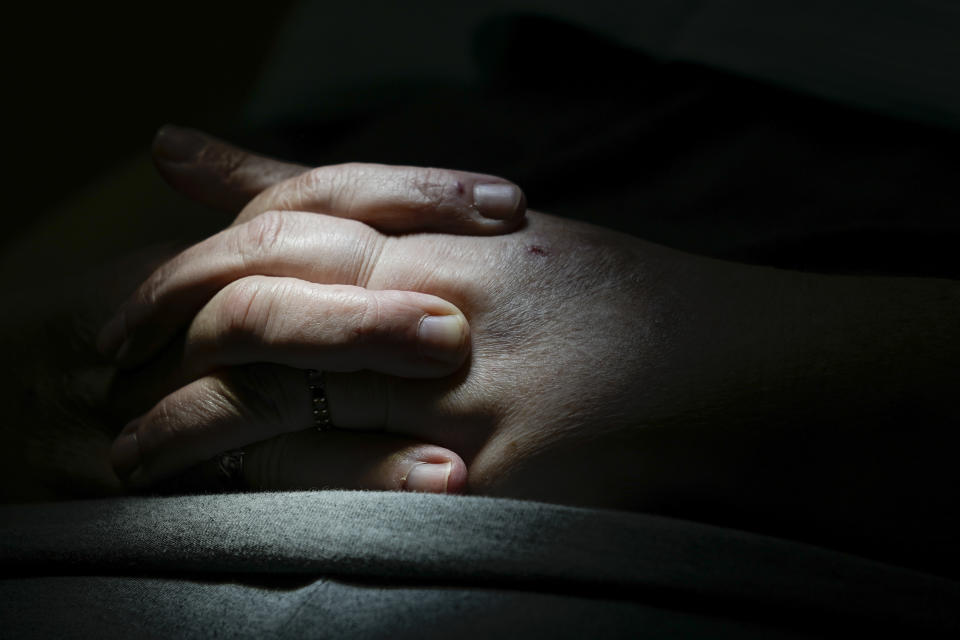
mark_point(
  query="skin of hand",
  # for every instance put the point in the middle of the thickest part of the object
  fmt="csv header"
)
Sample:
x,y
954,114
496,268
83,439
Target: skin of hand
x,y
398,200
527,290
416,343
604,370
815,407
60,424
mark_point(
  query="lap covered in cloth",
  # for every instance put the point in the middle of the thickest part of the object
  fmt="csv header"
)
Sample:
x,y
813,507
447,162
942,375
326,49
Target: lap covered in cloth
x,y
366,564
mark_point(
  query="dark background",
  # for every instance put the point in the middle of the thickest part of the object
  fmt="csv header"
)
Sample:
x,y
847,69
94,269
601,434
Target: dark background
x,y
89,85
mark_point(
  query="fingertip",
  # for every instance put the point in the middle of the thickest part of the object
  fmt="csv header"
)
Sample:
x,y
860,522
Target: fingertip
x,y
436,471
426,477
457,480
173,144
502,201
199,166
415,334
213,172
444,338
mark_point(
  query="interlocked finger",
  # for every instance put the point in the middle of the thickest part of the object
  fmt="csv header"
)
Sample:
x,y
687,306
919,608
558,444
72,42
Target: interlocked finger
x,y
399,199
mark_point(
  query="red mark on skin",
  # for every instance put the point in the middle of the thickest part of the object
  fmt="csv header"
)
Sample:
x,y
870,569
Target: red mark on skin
x,y
537,251
459,188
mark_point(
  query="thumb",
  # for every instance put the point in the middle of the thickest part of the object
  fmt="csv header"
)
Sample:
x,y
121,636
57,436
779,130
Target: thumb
x,y
214,173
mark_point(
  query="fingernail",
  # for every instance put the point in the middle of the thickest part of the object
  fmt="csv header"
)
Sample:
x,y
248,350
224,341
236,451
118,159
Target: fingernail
x,y
174,144
429,478
125,454
497,201
112,337
442,337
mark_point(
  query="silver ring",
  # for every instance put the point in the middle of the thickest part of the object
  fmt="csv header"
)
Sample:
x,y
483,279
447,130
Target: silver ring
x,y
318,400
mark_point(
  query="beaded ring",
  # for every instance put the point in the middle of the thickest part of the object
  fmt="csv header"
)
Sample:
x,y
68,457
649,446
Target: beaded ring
x,y
318,393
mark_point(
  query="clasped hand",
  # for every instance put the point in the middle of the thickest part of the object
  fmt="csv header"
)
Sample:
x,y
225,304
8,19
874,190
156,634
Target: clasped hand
x,y
533,358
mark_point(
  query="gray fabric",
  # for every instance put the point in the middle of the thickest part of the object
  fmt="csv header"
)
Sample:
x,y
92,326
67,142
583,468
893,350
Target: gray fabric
x,y
535,561
125,607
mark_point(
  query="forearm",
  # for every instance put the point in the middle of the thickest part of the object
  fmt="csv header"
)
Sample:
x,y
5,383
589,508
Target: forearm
x,y
881,344
839,424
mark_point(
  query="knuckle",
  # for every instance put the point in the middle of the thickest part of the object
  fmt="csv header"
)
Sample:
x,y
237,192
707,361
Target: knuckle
x,y
316,179
313,189
149,293
283,196
343,183
261,237
367,316
269,198
435,188
243,308
303,186
228,163
370,247
348,172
